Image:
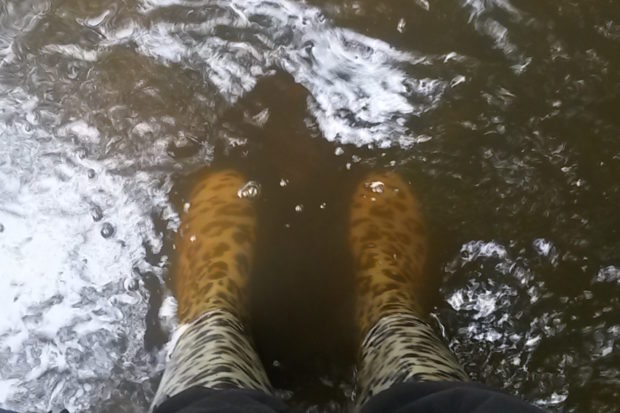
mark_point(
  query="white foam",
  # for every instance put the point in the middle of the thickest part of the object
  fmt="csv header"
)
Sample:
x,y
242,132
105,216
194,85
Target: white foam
x,y
73,51
81,129
69,310
475,249
360,90
609,274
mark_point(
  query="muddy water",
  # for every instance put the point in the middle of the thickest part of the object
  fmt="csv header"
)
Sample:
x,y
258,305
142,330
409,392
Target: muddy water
x,y
502,114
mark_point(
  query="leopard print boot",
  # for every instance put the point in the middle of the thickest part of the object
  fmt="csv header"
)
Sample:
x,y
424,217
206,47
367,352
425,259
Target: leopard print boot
x,y
388,243
215,248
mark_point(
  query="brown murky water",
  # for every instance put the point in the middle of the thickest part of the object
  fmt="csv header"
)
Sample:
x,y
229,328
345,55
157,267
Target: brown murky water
x,y
503,115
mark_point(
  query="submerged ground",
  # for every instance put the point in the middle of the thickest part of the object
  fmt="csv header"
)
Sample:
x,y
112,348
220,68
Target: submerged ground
x,y
502,114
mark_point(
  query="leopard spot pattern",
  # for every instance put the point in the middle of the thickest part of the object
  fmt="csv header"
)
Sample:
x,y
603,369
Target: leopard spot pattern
x,y
214,255
387,239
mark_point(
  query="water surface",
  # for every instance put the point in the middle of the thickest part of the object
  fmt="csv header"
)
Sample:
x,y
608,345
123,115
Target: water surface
x,y
502,114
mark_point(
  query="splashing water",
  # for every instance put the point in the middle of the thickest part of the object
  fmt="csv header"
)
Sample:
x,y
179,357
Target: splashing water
x,y
501,113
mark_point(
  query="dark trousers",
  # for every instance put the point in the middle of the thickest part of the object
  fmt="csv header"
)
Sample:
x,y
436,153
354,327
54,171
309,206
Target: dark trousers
x,y
420,397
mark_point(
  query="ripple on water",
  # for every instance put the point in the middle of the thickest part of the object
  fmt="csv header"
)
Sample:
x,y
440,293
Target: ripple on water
x,y
250,189
72,319
101,102
510,325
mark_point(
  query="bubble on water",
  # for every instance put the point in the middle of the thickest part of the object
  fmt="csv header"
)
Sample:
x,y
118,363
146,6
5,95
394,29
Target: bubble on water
x,y
73,72
251,189
283,182
107,230
96,213
542,246
186,207
339,151
401,25
192,238
377,186
132,284
91,173
323,205
299,208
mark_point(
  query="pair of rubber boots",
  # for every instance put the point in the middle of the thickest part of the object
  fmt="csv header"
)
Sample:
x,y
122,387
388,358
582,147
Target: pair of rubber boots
x,y
215,253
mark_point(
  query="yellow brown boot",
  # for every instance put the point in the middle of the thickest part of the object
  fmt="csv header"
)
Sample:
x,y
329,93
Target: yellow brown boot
x,y
215,249
388,242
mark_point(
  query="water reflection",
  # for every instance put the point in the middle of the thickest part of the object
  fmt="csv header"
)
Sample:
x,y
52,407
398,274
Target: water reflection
x,y
503,115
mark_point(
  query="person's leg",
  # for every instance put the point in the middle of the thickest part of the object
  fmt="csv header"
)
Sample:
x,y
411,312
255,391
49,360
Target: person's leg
x,y
388,243
214,257
445,397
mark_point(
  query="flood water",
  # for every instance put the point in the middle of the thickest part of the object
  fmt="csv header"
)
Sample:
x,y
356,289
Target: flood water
x,y
503,114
